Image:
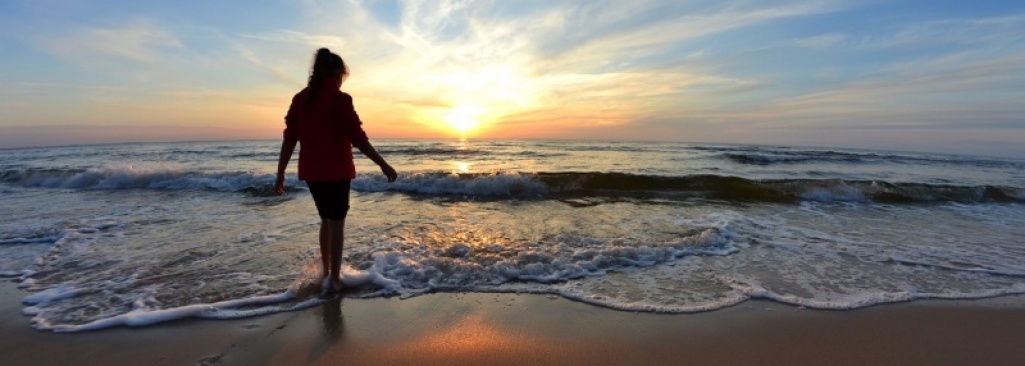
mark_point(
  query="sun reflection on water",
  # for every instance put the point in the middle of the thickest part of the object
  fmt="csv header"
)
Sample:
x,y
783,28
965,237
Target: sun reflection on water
x,y
461,167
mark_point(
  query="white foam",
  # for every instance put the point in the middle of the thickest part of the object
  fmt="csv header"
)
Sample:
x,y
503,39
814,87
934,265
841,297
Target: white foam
x,y
153,176
861,299
841,192
767,159
162,176
58,293
410,268
499,185
142,317
143,314
44,239
356,278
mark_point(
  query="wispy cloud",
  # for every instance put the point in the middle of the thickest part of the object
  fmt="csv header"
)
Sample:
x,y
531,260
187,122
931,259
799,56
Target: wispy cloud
x,y
820,41
292,36
1005,29
140,42
602,62
964,87
920,94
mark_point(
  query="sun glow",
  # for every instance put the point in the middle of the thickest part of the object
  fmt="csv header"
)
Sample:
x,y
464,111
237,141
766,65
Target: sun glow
x,y
472,100
461,167
464,118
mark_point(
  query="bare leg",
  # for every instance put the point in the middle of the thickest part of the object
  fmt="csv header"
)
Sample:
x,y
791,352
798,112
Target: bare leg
x,y
325,248
337,239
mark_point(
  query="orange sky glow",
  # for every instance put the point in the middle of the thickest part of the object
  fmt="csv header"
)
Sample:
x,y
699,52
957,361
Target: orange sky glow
x,y
782,72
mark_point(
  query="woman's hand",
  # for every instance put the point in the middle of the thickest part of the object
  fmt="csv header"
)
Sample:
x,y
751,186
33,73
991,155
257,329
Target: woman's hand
x,y
279,185
367,149
287,146
389,172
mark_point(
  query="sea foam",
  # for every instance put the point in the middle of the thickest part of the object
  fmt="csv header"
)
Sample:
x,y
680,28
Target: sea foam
x,y
405,267
644,227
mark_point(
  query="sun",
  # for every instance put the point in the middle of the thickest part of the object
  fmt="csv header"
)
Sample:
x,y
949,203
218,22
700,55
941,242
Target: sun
x,y
472,100
464,117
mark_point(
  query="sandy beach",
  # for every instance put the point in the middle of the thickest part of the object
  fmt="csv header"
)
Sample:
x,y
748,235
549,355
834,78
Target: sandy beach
x,y
513,329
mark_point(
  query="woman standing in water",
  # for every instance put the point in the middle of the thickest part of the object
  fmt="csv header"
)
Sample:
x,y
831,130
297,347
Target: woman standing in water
x,y
323,120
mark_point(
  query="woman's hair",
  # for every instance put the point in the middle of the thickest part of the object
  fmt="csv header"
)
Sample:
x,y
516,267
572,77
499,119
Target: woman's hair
x,y
326,65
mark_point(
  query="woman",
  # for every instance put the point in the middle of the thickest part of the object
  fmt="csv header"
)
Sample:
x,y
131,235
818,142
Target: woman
x,y
323,120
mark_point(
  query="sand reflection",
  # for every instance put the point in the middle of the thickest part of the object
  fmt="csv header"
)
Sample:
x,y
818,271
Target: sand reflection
x,y
471,337
332,331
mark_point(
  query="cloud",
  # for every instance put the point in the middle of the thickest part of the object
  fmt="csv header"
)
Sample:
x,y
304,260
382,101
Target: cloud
x,y
303,38
1007,29
140,42
922,99
820,41
605,62
963,96
969,86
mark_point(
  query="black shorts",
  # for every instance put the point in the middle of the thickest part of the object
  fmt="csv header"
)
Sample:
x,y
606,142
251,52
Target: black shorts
x,y
331,198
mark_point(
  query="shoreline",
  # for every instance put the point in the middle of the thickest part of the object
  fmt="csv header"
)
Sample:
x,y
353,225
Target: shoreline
x,y
507,329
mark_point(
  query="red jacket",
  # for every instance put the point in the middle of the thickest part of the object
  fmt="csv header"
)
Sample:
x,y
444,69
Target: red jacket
x,y
326,130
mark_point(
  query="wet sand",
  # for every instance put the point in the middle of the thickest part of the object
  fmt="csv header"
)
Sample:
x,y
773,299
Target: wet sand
x,y
511,329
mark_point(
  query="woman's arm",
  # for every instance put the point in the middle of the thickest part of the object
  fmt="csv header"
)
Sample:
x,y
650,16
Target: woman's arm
x,y
287,147
358,137
290,137
367,149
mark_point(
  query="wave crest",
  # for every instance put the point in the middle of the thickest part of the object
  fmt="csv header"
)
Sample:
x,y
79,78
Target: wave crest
x,y
115,177
514,185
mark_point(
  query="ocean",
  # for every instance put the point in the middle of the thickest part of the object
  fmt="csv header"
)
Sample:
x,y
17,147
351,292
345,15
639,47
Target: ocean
x,y
137,234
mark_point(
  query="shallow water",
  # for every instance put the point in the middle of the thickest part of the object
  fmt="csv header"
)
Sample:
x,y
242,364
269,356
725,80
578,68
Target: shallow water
x,y
141,233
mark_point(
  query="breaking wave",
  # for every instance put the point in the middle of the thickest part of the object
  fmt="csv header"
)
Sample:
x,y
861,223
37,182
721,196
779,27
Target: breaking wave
x,y
553,185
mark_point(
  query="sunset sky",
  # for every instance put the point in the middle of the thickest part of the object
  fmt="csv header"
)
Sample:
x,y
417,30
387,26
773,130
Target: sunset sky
x,y
944,76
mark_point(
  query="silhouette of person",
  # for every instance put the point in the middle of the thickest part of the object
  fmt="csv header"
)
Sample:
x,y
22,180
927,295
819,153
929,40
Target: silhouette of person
x,y
324,122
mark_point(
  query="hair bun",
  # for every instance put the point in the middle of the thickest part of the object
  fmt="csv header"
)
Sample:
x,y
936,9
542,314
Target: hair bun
x,y
323,52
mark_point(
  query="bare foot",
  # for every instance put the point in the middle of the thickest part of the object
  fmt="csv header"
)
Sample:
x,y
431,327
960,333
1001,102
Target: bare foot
x,y
337,285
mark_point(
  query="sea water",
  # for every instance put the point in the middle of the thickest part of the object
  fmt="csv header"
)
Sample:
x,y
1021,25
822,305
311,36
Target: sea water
x,y
136,234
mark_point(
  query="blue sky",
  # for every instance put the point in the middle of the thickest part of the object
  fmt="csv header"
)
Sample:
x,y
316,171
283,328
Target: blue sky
x,y
940,76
